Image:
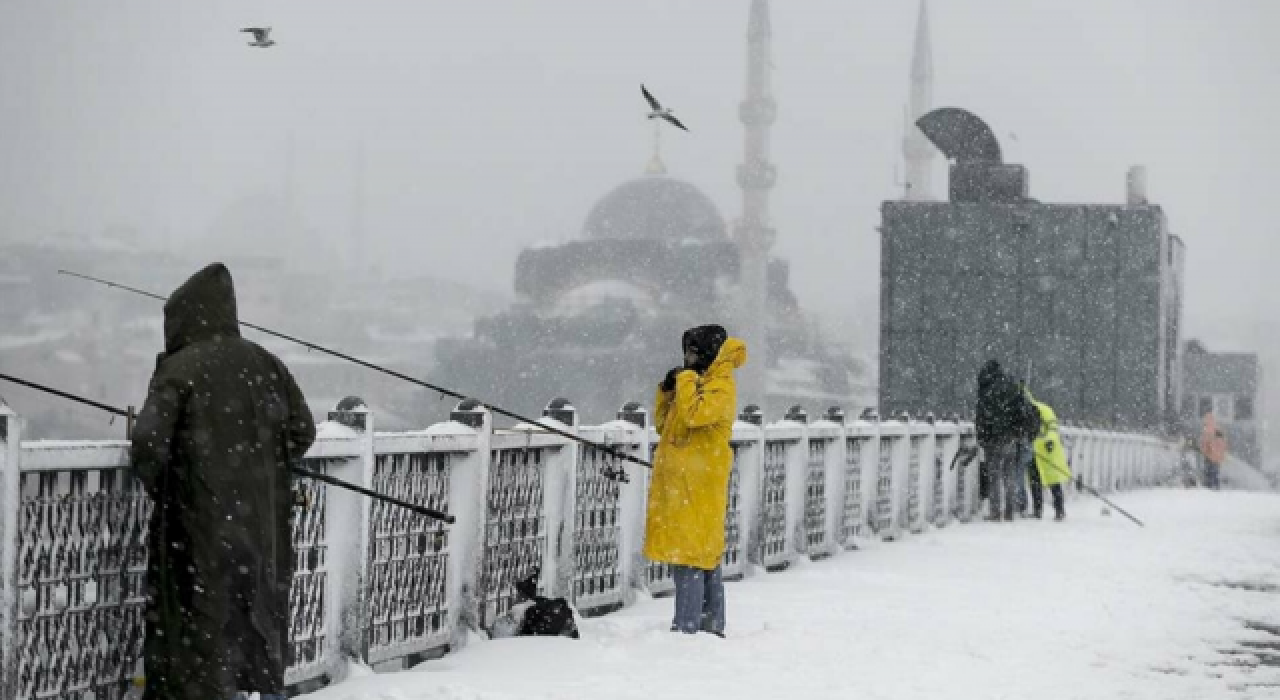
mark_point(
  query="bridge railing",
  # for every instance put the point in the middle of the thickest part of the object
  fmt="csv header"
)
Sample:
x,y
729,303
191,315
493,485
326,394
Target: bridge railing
x,y
379,584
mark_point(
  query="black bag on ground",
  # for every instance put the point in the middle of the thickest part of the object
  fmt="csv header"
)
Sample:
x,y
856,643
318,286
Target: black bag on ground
x,y
535,615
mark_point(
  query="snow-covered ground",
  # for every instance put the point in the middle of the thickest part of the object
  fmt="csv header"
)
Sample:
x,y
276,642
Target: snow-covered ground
x,y
1091,608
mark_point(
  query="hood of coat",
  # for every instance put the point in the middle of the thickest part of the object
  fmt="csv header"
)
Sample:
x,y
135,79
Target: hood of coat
x,y
705,342
203,307
732,355
990,374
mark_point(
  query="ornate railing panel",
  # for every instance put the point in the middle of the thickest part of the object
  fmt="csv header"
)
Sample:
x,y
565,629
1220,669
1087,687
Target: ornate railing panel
x,y
882,520
515,527
773,504
81,584
308,596
914,473
853,519
815,496
408,556
597,531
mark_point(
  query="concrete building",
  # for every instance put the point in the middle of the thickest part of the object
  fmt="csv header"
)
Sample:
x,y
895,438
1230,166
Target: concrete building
x,y
1226,385
1082,299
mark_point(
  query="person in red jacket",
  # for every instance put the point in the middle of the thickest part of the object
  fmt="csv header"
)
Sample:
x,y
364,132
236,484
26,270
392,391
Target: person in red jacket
x,y
1213,445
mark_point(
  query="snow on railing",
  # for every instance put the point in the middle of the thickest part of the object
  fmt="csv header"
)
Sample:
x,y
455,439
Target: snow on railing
x,y
388,587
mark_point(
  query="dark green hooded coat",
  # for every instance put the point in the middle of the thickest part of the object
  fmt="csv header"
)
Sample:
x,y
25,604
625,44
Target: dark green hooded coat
x,y
222,422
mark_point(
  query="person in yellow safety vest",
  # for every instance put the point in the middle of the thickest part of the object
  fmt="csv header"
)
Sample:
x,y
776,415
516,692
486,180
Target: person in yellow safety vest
x,y
1051,462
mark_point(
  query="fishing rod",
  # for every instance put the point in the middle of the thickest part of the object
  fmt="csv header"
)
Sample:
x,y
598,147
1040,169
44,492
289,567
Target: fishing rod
x,y
969,453
390,372
1081,485
300,471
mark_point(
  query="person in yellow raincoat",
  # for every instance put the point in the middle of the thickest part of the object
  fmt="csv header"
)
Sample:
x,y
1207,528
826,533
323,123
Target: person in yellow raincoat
x,y
1051,462
689,488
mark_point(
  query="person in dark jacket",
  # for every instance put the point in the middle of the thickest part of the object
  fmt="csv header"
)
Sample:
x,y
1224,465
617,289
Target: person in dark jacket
x,y
1001,421
212,446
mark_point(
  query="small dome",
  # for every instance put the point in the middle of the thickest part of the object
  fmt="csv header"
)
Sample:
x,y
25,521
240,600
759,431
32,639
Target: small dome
x,y
656,207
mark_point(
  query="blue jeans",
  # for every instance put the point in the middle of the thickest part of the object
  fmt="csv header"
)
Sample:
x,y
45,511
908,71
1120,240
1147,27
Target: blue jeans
x,y
1027,463
699,600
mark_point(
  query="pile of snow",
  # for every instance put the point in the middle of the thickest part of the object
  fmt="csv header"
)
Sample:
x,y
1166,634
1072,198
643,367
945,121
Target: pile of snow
x,y
602,292
332,430
1091,608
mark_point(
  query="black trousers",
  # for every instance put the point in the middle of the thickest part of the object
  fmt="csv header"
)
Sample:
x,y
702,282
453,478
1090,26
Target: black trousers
x,y
1037,488
1037,495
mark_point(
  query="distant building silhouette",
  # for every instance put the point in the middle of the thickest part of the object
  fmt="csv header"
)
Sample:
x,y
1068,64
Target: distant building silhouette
x,y
1084,299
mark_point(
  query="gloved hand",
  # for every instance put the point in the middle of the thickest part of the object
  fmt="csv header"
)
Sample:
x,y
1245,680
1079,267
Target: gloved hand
x,y
669,383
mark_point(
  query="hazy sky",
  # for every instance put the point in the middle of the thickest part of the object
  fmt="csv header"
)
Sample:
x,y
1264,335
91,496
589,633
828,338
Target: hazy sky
x,y
489,125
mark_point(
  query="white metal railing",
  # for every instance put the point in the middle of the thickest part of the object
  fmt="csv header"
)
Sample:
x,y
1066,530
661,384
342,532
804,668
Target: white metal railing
x,y
389,587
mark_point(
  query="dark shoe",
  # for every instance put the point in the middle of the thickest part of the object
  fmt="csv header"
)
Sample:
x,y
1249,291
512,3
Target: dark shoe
x,y
717,634
992,518
1008,517
1038,515
1060,516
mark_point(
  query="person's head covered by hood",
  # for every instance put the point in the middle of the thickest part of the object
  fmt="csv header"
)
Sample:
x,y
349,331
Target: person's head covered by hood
x,y
990,374
702,345
203,307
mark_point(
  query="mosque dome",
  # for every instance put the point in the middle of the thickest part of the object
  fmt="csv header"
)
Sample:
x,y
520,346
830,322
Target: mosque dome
x,y
656,207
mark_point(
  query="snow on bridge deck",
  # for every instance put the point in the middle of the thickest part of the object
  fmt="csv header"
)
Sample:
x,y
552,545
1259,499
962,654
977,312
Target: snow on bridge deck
x,y
1094,607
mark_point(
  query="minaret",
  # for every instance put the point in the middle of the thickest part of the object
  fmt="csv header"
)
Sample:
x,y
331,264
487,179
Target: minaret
x,y
916,149
755,237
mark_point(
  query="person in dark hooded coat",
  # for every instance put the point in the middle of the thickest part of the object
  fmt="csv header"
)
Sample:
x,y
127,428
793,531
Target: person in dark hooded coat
x,y
1003,418
212,446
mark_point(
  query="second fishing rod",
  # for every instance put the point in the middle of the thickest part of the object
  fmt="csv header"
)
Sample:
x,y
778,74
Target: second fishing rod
x,y
605,449
129,417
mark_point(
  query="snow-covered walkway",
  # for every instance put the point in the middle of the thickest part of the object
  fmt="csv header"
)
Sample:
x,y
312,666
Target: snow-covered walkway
x,y
1091,608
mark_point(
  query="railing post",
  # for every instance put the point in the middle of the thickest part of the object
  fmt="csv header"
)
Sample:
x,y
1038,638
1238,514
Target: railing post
x,y
468,502
347,538
796,474
561,482
748,440
968,476
10,504
751,485
836,458
921,473
891,483
632,501
946,445
862,459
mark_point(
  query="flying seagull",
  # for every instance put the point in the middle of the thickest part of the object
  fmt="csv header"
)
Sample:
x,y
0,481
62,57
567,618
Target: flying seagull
x,y
261,36
659,112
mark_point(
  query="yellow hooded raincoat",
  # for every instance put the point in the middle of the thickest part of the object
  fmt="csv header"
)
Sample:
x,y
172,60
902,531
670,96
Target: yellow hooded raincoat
x,y
689,487
1051,454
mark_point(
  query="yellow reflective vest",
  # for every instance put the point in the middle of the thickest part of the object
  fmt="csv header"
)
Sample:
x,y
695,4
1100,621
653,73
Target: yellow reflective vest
x,y
689,485
1051,454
